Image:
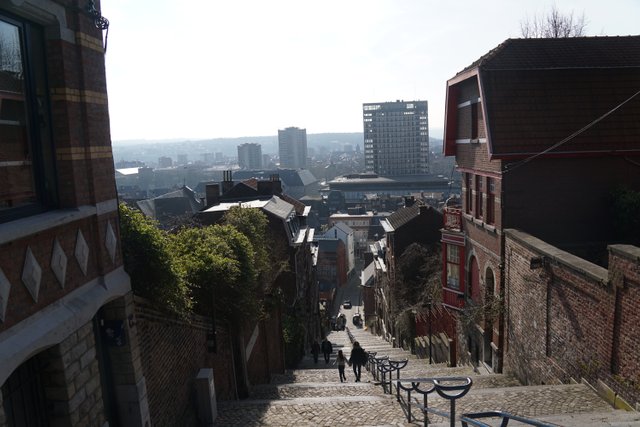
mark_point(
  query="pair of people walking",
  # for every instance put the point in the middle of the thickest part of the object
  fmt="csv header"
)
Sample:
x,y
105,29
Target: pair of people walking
x,y
357,359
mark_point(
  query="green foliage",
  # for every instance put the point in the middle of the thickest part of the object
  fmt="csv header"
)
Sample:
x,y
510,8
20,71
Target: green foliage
x,y
269,253
626,215
149,262
218,264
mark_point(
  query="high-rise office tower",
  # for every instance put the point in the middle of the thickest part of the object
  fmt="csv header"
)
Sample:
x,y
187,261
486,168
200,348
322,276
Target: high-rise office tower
x,y
250,156
396,138
292,146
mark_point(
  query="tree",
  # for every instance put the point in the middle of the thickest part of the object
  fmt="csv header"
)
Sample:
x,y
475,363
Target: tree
x,y
153,269
553,24
625,205
270,254
218,264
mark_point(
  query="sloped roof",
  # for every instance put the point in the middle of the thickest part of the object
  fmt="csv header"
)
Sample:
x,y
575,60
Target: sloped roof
x,y
343,227
174,203
289,177
540,92
562,53
239,191
279,207
403,215
298,205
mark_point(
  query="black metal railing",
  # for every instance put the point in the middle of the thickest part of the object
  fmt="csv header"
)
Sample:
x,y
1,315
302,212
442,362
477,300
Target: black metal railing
x,y
472,419
449,388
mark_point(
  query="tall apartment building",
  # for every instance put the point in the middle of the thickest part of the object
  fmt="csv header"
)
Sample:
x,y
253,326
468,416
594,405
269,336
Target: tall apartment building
x,y
250,156
292,146
396,138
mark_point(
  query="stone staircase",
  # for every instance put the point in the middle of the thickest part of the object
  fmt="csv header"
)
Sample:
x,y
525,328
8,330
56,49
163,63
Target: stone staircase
x,y
312,395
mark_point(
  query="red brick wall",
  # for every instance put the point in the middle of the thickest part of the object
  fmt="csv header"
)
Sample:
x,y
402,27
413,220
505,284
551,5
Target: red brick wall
x,y
173,351
12,258
83,163
571,318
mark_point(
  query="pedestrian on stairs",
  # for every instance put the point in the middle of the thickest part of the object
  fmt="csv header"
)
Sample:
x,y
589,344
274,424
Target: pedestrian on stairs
x,y
358,358
341,361
327,349
315,350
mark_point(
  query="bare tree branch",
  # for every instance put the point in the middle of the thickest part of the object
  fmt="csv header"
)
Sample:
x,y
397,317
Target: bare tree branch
x,y
553,24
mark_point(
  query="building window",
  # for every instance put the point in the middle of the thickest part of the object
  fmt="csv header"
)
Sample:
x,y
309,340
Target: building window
x,y
453,267
491,200
469,201
479,191
26,155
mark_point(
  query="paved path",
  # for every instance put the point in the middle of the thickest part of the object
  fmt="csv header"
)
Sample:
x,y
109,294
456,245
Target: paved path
x,y
313,396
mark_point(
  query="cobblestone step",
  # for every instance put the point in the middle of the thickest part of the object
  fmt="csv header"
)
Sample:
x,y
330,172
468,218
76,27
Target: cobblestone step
x,y
312,396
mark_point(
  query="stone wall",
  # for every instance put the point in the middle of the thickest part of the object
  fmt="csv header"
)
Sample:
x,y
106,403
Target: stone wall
x,y
570,319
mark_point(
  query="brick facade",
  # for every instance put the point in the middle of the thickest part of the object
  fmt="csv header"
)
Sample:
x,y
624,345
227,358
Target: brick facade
x,y
569,318
62,259
173,350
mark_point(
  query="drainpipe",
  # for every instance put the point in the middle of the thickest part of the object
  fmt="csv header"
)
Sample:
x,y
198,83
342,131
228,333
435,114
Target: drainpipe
x,y
501,321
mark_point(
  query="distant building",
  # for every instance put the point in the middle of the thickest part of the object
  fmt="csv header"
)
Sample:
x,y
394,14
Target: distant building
x,y
396,138
250,156
295,183
165,162
292,147
182,159
342,231
208,158
356,187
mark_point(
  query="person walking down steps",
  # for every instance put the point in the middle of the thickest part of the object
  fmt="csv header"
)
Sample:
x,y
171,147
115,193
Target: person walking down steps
x,y
357,359
341,361
327,349
315,350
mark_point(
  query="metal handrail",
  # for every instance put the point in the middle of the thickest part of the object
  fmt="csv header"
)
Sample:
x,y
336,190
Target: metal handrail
x,y
451,392
471,419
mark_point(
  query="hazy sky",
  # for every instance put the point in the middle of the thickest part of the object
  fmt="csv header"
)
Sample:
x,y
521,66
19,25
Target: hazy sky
x,y
232,68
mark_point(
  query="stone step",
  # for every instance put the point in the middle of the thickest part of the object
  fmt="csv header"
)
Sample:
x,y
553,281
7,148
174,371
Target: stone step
x,y
616,418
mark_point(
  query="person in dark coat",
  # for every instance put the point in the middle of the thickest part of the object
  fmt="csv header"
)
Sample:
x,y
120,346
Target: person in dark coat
x,y
327,349
315,350
358,358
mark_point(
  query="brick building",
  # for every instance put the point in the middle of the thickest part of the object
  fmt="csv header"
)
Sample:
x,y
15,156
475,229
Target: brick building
x,y
543,131
414,223
68,340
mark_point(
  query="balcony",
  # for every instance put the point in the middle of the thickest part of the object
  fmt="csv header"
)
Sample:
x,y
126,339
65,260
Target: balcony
x,y
453,218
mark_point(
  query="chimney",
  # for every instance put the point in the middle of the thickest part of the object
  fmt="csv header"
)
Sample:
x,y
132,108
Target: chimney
x,y
409,201
227,181
277,184
212,192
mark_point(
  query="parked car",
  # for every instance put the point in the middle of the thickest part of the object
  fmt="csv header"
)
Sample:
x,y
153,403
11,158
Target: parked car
x,y
357,320
346,303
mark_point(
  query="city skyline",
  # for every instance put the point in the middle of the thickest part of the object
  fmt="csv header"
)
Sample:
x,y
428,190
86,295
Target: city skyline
x,y
306,64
